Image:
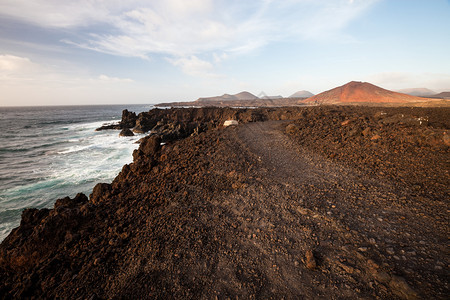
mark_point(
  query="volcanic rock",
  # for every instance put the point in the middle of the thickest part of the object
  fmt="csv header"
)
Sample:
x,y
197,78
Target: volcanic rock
x,y
128,119
231,212
126,132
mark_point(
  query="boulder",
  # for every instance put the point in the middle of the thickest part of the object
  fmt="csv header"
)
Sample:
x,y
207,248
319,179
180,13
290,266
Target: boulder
x,y
126,132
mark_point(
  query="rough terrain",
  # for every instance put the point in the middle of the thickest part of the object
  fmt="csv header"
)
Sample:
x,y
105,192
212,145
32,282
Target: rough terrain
x,y
339,203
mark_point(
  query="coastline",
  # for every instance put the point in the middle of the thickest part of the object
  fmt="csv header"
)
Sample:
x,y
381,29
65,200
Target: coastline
x,y
182,219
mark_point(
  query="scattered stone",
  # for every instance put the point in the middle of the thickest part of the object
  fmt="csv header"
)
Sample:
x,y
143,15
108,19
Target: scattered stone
x,y
401,288
375,137
230,123
366,131
310,260
446,139
292,129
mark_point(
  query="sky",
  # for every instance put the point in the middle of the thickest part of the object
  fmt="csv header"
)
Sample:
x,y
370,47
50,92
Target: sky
x,y
61,52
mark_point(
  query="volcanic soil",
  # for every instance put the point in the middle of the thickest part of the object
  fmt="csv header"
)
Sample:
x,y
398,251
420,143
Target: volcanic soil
x,y
337,203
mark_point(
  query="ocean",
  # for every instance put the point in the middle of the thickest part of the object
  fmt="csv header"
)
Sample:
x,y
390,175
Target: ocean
x,y
47,153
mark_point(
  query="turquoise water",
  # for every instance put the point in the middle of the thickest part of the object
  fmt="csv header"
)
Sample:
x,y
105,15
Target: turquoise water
x,y
47,153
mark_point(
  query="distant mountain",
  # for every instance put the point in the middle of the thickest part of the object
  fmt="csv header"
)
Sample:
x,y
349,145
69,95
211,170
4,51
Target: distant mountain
x,y
272,97
227,97
419,92
263,95
443,95
301,94
363,93
245,96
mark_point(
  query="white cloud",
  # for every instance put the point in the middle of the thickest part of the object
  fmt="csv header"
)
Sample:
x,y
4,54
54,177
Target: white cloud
x,y
194,66
186,29
11,64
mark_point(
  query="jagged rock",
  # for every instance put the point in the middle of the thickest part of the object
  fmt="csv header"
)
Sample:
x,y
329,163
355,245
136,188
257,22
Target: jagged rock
x,y
148,147
100,191
145,122
126,132
151,145
80,198
128,119
109,127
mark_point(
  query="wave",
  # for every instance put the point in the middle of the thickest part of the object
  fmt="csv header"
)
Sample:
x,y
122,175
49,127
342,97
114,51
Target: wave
x,y
42,160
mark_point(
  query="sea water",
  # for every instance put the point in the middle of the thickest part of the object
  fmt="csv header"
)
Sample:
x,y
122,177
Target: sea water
x,y
47,153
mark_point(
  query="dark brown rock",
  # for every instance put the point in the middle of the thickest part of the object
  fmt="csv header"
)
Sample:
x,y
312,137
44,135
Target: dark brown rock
x,y
128,119
310,260
126,132
292,129
101,191
150,145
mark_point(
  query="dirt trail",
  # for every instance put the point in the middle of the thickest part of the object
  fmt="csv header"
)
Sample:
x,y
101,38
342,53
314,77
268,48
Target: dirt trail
x,y
360,230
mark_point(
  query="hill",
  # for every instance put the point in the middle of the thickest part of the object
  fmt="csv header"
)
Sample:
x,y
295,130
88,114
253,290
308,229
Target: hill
x,y
419,92
443,95
357,92
227,97
242,99
301,94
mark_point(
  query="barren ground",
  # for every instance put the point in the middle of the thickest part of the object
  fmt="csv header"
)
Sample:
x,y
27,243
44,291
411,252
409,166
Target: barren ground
x,y
261,210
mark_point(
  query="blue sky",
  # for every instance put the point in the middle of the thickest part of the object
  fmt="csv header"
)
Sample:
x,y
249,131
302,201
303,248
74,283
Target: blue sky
x,y
59,52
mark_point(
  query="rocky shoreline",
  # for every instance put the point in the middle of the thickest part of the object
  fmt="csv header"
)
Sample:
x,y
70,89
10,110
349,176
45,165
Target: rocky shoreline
x,y
310,202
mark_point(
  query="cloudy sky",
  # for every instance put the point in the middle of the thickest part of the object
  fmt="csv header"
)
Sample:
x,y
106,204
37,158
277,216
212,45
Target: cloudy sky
x,y
59,52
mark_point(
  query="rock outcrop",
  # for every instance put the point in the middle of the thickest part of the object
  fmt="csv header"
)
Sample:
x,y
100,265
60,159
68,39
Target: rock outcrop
x,y
126,132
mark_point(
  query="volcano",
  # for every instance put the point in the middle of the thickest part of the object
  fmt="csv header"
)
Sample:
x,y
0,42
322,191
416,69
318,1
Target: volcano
x,y
357,92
